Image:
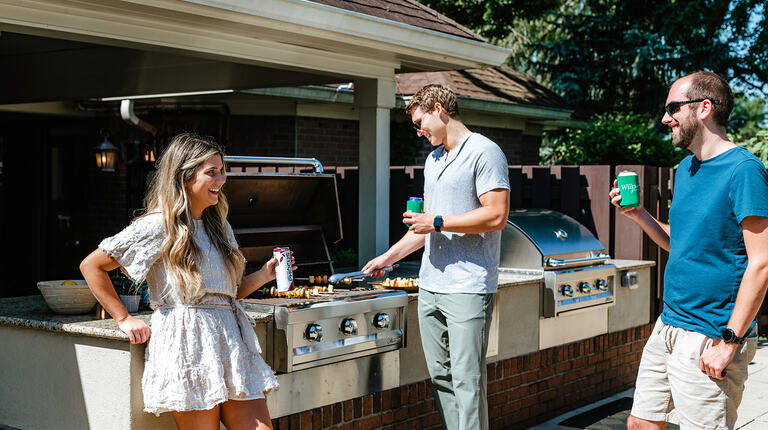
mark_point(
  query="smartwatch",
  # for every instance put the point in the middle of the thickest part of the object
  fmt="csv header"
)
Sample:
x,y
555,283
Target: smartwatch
x,y
438,222
729,336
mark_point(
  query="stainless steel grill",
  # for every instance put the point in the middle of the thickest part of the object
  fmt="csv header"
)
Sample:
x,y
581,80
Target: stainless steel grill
x,y
301,211
350,325
573,261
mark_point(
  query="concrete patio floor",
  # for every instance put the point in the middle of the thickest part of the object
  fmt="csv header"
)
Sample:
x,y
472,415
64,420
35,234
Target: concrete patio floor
x,y
611,413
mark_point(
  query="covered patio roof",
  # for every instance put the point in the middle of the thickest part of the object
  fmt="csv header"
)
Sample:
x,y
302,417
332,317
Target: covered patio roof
x,y
58,50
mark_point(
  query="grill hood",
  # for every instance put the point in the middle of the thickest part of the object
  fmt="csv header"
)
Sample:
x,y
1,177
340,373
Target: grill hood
x,y
540,238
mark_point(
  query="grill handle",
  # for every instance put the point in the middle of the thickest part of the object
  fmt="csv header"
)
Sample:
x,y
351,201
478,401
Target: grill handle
x,y
554,262
314,162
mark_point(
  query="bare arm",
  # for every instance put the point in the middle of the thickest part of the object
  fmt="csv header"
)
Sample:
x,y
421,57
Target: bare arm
x,y
655,229
409,243
255,280
748,300
94,269
491,215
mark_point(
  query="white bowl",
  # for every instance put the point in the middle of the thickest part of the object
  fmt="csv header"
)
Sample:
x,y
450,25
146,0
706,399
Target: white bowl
x,y
67,299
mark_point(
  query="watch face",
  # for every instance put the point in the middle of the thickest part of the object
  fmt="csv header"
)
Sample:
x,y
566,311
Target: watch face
x,y
728,335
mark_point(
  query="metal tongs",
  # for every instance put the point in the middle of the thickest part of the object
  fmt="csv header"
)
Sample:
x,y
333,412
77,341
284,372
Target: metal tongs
x,y
347,278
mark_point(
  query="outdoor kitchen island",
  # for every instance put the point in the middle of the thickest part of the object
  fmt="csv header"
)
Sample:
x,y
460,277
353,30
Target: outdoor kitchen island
x,y
78,372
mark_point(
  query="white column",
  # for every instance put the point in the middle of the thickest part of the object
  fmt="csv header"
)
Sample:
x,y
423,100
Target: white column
x,y
374,98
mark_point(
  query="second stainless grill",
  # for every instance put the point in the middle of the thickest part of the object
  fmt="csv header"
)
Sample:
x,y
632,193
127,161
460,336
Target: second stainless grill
x,y
572,260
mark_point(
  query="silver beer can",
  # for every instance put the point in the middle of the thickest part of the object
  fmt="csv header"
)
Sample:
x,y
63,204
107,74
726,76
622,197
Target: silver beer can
x,y
283,270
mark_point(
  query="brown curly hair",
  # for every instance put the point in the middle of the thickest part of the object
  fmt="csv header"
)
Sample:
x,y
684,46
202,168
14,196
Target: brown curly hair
x,y
430,94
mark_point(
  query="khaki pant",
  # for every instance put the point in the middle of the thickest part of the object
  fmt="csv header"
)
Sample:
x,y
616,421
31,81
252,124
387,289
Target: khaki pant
x,y
454,334
671,386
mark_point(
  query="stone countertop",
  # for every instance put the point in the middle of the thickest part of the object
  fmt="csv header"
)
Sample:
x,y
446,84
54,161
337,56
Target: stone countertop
x,y
32,312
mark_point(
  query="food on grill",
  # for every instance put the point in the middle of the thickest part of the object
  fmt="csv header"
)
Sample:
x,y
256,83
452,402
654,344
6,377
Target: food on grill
x,y
68,283
318,279
401,282
298,292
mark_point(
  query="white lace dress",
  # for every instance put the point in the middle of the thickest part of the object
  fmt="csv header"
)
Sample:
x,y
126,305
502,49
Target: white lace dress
x,y
202,353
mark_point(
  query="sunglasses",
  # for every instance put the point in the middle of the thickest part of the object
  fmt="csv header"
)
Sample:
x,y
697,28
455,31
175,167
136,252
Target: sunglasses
x,y
674,107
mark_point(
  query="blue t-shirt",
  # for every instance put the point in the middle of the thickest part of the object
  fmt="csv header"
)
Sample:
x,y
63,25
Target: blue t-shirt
x,y
707,257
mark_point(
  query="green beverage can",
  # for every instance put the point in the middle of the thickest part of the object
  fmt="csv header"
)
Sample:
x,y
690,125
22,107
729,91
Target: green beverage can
x,y
629,189
414,204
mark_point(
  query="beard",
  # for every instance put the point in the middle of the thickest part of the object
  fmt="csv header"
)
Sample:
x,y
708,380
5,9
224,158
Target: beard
x,y
686,132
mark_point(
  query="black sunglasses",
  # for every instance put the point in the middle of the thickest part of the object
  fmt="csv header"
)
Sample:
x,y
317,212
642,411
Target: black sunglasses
x,y
674,107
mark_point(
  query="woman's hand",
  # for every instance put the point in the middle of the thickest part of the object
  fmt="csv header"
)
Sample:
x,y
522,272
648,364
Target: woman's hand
x,y
267,271
255,280
137,330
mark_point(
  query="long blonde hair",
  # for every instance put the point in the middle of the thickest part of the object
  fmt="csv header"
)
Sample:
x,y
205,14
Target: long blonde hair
x,y
168,195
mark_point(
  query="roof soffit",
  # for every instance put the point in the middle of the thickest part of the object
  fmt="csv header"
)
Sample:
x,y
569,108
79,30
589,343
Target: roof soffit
x,y
358,29
278,32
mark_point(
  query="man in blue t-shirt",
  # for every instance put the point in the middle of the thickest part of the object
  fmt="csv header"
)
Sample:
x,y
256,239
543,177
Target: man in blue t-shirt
x,y
694,364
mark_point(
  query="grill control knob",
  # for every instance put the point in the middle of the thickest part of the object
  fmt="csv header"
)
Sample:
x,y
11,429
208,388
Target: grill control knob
x,y
566,290
601,285
381,320
313,332
584,287
349,326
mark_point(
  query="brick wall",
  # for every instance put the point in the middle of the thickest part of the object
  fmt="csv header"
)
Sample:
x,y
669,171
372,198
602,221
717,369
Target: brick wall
x,y
335,141
519,148
107,204
272,136
332,141
522,391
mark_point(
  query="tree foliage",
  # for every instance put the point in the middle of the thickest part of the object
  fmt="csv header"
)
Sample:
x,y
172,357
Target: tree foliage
x,y
492,19
757,144
617,55
748,116
612,138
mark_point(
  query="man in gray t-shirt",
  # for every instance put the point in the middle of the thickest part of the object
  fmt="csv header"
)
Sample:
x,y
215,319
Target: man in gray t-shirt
x,y
466,197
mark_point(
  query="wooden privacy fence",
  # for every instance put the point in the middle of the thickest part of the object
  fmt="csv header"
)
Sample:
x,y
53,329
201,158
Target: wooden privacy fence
x,y
578,191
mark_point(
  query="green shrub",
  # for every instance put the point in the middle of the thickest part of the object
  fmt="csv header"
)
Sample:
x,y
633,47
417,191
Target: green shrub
x,y
756,143
612,138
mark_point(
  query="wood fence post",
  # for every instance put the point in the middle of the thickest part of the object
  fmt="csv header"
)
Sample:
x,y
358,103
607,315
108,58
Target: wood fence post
x,y
598,212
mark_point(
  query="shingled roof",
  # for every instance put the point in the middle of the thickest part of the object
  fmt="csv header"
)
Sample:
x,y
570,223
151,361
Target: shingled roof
x,y
498,83
408,12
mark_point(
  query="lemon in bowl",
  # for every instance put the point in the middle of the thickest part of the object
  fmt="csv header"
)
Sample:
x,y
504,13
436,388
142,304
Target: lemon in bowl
x,y
67,296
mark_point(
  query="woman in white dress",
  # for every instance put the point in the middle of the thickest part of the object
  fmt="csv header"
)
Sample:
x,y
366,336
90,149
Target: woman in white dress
x,y
202,361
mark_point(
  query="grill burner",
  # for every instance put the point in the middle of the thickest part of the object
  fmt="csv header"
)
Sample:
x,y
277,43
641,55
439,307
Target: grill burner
x,y
351,324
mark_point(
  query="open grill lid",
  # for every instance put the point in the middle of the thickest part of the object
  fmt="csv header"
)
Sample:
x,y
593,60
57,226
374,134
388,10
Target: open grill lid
x,y
289,200
542,237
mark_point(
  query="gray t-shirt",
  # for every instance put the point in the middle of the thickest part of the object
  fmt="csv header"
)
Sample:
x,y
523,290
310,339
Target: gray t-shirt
x,y
453,183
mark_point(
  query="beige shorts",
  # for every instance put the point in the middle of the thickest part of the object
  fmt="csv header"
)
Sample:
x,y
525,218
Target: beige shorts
x,y
671,387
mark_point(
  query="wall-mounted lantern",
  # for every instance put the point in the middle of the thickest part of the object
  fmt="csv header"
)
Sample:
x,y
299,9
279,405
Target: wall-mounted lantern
x,y
106,154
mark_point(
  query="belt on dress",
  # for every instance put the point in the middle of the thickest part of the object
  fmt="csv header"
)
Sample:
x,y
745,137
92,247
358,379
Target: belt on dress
x,y
244,321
